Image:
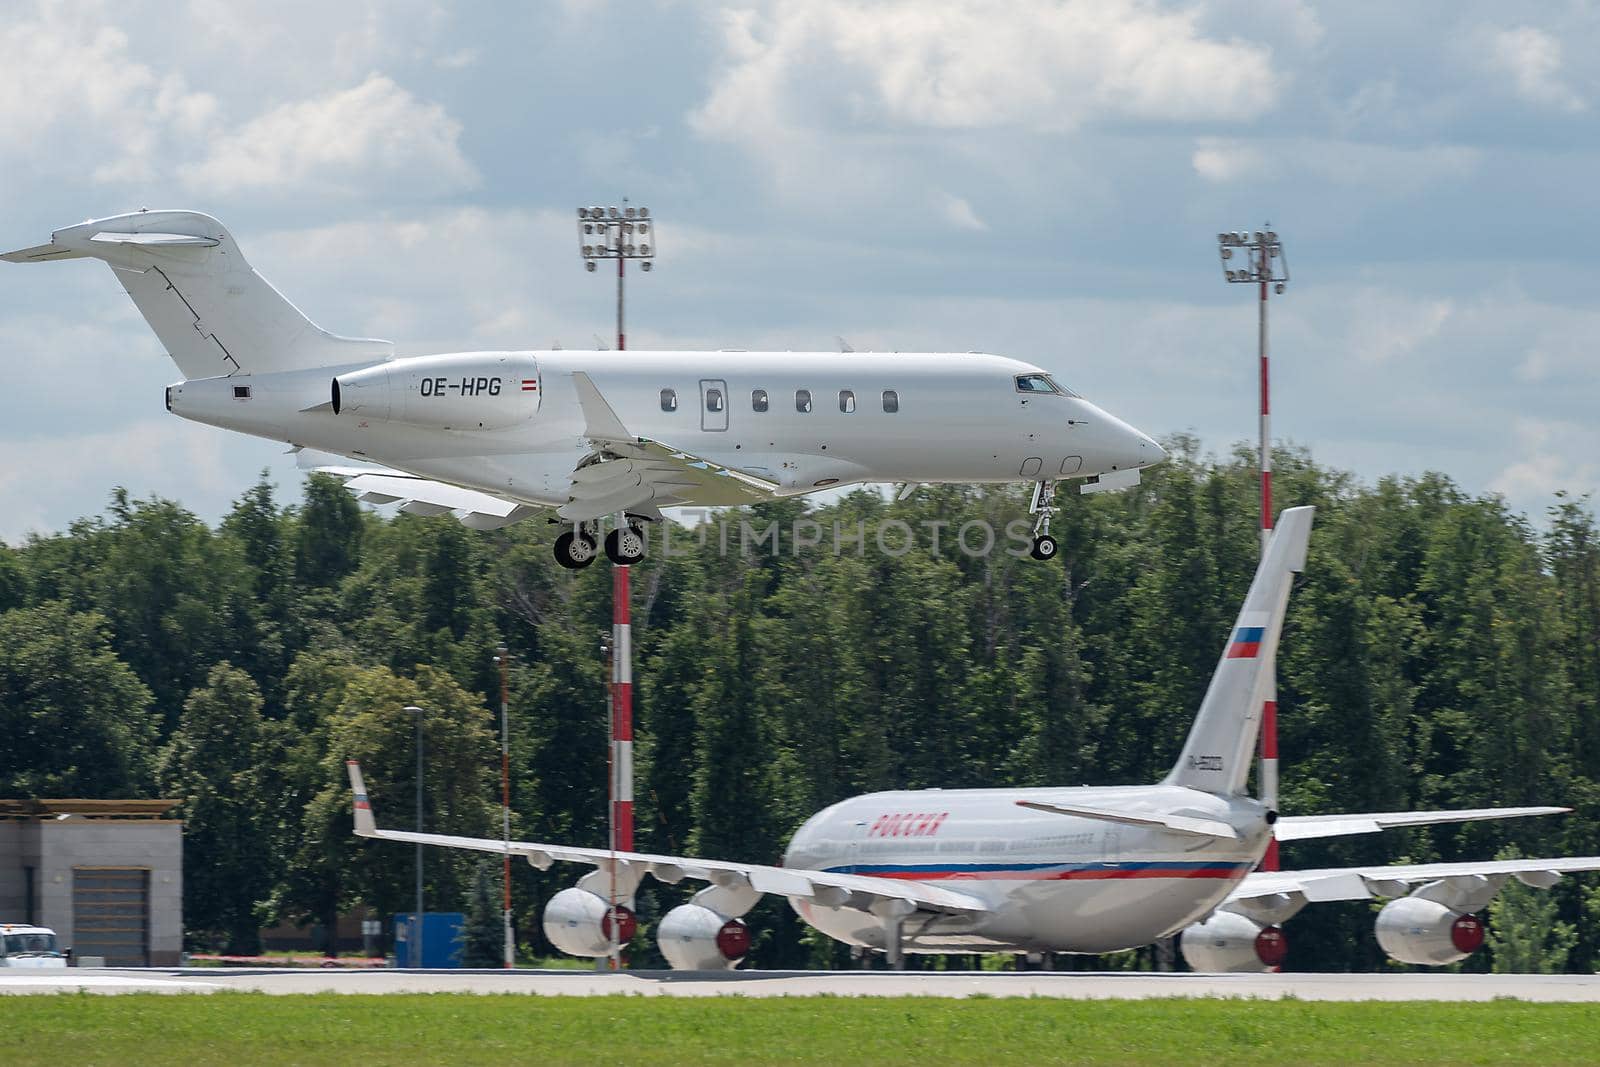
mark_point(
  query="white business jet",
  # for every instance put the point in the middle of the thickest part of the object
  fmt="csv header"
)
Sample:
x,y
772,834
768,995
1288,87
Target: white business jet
x,y
1085,870
494,437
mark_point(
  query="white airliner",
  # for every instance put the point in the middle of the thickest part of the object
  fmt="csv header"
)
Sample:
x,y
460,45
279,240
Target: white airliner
x,y
1085,870
496,436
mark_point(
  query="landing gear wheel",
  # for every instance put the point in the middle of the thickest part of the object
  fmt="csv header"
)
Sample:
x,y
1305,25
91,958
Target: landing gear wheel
x,y
1044,547
625,546
575,551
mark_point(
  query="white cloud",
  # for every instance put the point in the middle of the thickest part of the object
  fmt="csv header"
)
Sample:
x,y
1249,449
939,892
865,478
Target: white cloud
x,y
1218,159
957,212
1532,59
974,64
339,144
1552,456
65,65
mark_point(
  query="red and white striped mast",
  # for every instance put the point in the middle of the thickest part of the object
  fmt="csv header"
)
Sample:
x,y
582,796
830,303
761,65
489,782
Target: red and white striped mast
x,y
1266,267
620,233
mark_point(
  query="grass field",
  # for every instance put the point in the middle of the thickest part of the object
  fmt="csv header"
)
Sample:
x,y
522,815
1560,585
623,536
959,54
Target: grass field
x,y
243,1029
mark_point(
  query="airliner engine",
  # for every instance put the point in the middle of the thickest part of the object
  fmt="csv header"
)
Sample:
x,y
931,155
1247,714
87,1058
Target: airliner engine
x,y
695,938
1425,932
461,391
576,922
1227,941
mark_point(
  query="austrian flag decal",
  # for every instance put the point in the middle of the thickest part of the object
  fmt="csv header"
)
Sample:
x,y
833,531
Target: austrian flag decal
x,y
530,385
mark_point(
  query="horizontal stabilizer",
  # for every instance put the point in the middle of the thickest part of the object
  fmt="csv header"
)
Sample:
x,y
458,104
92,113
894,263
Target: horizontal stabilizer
x,y
1307,827
1181,824
42,254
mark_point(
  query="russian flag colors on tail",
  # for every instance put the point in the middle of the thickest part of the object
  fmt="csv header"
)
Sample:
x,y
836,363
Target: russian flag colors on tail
x,y
1217,756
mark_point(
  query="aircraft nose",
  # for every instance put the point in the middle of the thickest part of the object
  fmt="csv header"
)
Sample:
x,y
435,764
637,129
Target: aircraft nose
x,y
1150,452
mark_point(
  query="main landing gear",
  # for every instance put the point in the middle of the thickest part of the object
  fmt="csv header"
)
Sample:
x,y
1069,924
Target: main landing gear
x,y
1043,505
577,548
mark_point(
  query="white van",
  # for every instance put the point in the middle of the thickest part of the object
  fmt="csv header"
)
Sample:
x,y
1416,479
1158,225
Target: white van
x,y
22,945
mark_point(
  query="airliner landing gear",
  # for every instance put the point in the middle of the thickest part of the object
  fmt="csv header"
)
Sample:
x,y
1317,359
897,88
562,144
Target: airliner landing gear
x,y
575,549
625,545
1043,505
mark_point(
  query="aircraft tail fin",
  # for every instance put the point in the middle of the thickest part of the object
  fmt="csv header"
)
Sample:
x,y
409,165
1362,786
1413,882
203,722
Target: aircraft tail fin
x,y
366,823
1217,756
212,311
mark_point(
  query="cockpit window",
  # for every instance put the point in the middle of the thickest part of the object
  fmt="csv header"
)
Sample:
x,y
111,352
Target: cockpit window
x,y
1041,383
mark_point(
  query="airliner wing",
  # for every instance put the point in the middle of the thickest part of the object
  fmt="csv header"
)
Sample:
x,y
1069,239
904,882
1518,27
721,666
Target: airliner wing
x,y
1362,883
628,473
375,484
824,887
1306,827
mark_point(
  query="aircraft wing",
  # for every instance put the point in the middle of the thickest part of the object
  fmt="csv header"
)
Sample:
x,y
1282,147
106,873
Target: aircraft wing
x,y
1307,827
1363,883
824,887
629,473
376,484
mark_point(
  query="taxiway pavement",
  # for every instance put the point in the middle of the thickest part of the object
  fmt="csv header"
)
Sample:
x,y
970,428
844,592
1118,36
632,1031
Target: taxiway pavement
x,y
1071,985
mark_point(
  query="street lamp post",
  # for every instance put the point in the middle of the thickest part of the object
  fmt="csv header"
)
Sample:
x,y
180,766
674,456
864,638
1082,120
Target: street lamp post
x,y
416,921
1258,259
505,803
619,233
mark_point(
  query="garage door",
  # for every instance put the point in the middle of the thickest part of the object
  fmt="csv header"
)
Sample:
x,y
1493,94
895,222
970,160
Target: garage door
x,y
111,914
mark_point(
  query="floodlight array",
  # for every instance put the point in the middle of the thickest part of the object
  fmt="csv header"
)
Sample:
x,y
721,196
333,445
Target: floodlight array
x,y
1260,259
625,232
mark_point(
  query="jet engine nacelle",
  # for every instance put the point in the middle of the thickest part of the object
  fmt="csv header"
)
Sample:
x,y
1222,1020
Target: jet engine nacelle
x,y
576,922
695,938
1425,932
463,391
1227,941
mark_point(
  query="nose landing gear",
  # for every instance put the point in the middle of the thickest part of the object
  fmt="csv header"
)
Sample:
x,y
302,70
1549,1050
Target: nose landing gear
x,y
1043,505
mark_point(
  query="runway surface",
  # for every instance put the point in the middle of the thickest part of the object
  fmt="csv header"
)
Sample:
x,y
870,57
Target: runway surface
x,y
1071,985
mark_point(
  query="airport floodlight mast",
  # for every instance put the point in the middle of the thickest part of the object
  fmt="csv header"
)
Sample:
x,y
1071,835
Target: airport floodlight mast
x,y
1257,259
619,233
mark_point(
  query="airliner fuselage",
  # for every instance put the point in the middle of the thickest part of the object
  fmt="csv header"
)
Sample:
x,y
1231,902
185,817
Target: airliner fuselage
x,y
1053,883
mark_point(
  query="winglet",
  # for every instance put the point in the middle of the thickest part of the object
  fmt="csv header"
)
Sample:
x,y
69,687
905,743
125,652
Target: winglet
x,y
366,825
600,421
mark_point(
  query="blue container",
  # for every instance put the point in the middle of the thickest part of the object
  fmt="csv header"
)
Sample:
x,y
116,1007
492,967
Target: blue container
x,y
443,939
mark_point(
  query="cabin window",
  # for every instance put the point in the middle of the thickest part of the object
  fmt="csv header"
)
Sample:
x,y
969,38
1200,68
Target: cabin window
x,y
847,401
802,401
241,392
891,401
713,399
669,400
758,400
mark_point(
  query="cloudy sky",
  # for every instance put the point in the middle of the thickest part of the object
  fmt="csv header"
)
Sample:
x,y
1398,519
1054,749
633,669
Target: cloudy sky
x,y
1042,179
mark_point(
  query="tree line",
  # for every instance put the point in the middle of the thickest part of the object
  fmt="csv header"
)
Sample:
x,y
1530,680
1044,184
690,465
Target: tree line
x,y
1440,651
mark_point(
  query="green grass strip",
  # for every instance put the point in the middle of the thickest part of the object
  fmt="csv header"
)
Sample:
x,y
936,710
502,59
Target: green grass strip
x,y
244,1029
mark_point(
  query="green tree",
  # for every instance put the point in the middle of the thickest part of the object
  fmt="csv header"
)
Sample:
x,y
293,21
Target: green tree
x,y
213,763
328,542
75,720
1525,935
484,931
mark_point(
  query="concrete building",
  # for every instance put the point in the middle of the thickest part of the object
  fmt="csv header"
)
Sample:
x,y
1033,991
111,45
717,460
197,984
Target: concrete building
x,y
105,875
